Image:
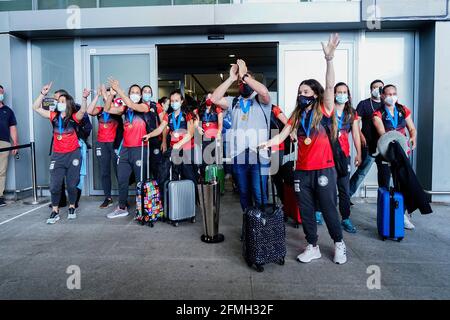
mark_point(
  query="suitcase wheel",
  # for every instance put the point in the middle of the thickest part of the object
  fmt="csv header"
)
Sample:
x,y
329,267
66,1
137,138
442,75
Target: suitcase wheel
x,y
259,268
399,239
175,224
141,222
151,224
193,220
249,263
297,226
281,262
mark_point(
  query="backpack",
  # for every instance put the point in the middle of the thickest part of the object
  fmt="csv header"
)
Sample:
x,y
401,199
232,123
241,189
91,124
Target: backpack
x,y
84,128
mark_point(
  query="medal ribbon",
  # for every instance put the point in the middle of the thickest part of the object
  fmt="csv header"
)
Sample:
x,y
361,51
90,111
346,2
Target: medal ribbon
x,y
307,130
130,115
245,108
340,120
106,116
208,116
60,125
394,120
176,122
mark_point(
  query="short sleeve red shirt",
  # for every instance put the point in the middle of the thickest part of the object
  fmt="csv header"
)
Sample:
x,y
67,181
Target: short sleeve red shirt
x,y
65,141
318,154
107,126
135,128
344,132
177,134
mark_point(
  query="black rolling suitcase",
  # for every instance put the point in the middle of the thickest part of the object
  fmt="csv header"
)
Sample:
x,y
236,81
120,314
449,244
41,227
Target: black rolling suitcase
x,y
264,234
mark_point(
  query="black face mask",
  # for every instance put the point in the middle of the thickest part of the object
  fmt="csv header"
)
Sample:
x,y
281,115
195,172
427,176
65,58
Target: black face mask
x,y
245,90
304,101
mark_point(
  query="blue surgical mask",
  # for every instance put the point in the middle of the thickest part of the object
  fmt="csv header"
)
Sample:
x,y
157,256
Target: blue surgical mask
x,y
176,105
147,97
2,97
61,107
342,98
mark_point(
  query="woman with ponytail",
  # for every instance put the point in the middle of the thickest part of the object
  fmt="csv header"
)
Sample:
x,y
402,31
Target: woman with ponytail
x,y
347,120
315,177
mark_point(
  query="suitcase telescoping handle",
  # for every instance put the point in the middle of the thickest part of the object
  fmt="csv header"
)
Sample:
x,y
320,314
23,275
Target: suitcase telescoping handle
x,y
261,185
142,160
294,145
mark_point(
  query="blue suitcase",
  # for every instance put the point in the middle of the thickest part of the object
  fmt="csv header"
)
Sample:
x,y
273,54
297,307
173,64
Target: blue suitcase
x,y
390,211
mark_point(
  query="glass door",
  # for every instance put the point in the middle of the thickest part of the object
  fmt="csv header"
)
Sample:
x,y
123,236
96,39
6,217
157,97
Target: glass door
x,y
129,66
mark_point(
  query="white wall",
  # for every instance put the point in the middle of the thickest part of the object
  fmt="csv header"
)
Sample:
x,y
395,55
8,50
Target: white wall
x,y
441,151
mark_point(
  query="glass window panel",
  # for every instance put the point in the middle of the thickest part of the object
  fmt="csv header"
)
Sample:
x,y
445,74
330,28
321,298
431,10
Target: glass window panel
x,y
16,5
130,3
51,61
63,4
129,69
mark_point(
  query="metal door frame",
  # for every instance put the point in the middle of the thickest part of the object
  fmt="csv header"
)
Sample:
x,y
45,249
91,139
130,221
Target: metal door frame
x,y
87,53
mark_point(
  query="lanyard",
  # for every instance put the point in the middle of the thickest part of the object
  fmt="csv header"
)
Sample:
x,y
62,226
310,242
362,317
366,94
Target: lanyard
x,y
340,119
245,108
130,114
106,116
394,120
176,122
307,131
60,125
208,116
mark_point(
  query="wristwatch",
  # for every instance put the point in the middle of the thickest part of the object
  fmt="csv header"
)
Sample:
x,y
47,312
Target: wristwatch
x,y
245,76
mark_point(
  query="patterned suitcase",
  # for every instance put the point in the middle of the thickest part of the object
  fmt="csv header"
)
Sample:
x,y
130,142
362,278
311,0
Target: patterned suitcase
x,y
264,234
149,207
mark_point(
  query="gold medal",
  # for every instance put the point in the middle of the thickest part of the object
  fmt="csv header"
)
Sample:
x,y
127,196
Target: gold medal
x,y
176,135
59,137
130,125
245,117
340,134
308,141
207,124
105,126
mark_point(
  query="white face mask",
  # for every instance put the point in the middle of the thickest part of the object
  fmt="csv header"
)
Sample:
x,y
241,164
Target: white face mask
x,y
2,97
391,100
376,93
176,105
61,107
135,98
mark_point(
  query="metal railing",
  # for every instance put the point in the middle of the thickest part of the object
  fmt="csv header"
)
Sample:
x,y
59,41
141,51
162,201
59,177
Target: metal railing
x,y
34,186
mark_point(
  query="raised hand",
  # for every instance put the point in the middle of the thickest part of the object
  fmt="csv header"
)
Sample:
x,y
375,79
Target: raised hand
x,y
113,83
234,70
46,89
242,67
86,93
330,48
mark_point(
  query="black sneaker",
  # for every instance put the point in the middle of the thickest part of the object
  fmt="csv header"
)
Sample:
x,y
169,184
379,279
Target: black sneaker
x,y
2,202
54,217
72,215
107,203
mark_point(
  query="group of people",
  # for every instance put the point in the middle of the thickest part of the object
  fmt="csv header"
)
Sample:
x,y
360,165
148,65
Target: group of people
x,y
169,129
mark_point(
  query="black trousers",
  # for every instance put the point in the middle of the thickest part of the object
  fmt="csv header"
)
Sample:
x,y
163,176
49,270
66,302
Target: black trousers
x,y
318,186
185,168
107,157
64,166
343,185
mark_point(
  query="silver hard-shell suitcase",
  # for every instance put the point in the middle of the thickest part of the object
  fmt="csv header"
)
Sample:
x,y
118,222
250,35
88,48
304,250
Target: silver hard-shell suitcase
x,y
179,201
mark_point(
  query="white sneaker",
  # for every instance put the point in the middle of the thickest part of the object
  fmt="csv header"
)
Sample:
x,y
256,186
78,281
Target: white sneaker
x,y
311,253
340,253
408,224
54,217
118,213
72,215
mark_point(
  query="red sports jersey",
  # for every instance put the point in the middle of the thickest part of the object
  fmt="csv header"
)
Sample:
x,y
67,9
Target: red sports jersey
x,y
182,130
276,110
134,130
210,123
68,140
382,113
344,133
317,155
107,126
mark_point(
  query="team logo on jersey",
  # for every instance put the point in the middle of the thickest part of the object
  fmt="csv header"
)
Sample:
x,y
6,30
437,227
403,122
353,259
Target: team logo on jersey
x,y
323,181
75,162
138,163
